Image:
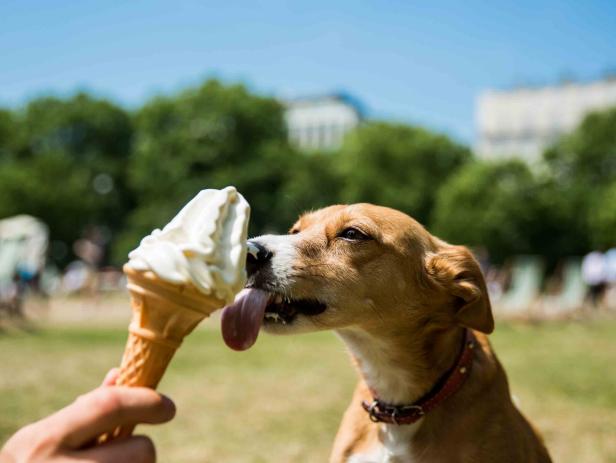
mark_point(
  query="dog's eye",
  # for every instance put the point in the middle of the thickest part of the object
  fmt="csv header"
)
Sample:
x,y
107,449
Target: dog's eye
x,y
294,231
353,234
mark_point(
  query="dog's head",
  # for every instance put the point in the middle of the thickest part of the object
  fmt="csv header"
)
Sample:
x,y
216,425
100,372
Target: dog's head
x,y
365,265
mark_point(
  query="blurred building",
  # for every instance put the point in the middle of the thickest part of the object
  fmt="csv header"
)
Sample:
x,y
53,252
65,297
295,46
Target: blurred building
x,y
522,122
320,123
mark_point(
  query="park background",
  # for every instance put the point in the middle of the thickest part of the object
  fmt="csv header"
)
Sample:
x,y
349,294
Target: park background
x,y
113,117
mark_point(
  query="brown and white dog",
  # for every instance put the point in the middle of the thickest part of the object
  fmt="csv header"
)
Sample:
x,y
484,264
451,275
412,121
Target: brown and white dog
x,y
403,301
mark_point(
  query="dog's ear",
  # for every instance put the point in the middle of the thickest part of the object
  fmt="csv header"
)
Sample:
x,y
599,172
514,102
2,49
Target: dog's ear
x,y
455,270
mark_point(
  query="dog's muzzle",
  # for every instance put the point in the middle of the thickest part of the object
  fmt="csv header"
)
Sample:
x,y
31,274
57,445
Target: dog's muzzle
x,y
257,257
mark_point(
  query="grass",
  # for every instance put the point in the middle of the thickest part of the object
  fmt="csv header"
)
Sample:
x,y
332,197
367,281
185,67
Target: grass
x,y
282,400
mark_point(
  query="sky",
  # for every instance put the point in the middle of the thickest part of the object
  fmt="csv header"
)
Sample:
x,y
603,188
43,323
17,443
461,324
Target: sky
x,y
416,61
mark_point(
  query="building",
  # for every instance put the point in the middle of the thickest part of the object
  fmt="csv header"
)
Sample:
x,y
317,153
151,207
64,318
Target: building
x,y
320,123
524,121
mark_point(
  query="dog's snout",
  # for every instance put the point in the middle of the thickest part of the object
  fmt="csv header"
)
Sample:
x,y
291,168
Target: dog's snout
x,y
257,256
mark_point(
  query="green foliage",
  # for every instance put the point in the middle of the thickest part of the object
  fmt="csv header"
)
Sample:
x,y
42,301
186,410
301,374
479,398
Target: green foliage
x,y
490,204
559,227
83,127
207,137
563,208
586,159
8,134
602,218
398,166
96,134
83,161
311,183
64,162
182,141
53,187
577,198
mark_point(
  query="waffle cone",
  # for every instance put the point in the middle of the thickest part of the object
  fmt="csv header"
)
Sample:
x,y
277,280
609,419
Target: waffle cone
x,y
163,314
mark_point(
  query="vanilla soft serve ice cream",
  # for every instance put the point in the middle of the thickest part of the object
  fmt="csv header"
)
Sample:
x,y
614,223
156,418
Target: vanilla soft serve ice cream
x,y
204,245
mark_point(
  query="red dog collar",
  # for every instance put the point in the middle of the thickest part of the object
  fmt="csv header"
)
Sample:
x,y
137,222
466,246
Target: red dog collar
x,y
379,411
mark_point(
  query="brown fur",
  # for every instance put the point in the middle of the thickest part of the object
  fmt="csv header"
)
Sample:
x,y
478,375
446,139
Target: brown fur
x,y
401,302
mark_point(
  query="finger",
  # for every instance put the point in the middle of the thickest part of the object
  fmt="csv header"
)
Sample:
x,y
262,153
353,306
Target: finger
x,y
111,377
106,408
125,431
136,449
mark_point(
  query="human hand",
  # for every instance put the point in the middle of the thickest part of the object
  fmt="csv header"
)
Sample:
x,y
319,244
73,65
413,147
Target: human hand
x,y
69,435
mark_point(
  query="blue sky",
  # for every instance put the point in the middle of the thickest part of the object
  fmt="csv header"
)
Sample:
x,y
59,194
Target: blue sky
x,y
416,61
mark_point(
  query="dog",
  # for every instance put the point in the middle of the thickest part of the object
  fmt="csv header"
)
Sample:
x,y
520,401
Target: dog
x,y
414,313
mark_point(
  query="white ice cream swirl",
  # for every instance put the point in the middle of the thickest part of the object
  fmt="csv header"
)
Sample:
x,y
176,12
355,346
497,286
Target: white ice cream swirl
x,y
205,245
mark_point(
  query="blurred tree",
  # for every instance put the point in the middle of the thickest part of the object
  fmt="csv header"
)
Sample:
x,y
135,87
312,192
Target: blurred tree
x,y
586,159
602,218
559,227
54,188
80,161
208,137
397,166
8,134
489,204
312,183
67,155
88,129
575,195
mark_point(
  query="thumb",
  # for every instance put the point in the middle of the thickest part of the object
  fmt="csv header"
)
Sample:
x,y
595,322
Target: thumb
x,y
111,377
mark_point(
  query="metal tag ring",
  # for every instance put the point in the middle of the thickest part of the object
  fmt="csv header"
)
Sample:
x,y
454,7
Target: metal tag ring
x,y
372,411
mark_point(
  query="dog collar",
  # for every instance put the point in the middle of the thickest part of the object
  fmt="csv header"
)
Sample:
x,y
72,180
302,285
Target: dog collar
x,y
449,384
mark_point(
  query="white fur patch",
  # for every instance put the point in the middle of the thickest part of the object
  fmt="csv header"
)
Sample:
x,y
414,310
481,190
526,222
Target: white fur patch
x,y
381,374
392,384
395,448
376,456
397,442
284,256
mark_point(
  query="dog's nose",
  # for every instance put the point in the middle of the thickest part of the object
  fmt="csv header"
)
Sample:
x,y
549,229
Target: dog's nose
x,y
257,256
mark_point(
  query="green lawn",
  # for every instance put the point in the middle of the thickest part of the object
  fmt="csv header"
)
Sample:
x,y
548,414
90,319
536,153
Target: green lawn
x,y
282,400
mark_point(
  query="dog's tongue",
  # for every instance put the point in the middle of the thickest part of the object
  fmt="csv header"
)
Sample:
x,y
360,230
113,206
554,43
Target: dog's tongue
x,y
242,319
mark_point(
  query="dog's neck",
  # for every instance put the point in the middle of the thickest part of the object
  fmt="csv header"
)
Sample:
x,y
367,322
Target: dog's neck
x,y
397,364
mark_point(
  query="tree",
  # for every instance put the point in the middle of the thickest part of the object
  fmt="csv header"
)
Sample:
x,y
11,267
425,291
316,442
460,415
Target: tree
x,y
489,204
52,187
207,137
576,187
8,134
398,166
96,134
84,127
311,183
602,218
586,159
65,163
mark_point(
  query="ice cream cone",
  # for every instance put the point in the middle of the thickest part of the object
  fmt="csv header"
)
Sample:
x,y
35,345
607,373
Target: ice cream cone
x,y
163,314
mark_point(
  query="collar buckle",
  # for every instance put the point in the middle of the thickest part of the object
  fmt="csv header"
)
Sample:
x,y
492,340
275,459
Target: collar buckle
x,y
380,412
372,410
